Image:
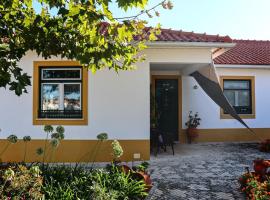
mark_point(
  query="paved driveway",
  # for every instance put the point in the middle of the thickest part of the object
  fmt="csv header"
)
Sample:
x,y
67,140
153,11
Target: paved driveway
x,y
202,171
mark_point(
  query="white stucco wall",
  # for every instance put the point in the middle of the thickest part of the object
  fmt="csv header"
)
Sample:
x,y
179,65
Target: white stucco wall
x,y
198,101
178,55
118,104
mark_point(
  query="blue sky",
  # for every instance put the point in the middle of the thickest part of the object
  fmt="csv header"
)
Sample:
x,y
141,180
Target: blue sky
x,y
240,19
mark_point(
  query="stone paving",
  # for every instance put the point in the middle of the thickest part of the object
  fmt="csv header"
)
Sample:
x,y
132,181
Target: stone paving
x,y
202,171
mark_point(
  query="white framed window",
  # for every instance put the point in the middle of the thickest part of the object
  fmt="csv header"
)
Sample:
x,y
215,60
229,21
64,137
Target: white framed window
x,y
60,92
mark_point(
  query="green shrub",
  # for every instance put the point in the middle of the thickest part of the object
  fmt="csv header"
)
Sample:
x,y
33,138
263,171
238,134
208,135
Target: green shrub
x,y
66,182
69,183
117,183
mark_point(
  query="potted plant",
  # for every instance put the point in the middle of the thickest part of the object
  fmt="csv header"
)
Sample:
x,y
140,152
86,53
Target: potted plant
x,y
141,173
260,166
192,124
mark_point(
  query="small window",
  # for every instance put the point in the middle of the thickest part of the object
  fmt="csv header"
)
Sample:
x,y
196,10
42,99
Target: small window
x,y
240,93
61,74
61,93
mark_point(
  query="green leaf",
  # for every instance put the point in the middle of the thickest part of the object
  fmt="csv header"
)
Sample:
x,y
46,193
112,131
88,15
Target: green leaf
x,y
82,30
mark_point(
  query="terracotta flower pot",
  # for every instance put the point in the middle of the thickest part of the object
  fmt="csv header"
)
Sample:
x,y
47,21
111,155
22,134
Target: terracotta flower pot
x,y
261,166
191,134
146,178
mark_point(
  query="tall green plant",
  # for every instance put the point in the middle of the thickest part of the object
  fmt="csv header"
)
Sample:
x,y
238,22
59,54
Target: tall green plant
x,y
101,138
26,139
92,154
55,139
47,129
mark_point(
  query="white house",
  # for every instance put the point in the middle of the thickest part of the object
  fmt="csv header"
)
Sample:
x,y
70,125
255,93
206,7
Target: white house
x,y
86,104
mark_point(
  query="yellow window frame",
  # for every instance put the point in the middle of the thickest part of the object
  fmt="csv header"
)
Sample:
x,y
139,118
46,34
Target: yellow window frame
x,y
252,80
36,95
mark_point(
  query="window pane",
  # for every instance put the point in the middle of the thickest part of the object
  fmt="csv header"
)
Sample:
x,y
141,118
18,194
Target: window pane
x,y
60,73
236,84
50,96
72,97
230,95
243,98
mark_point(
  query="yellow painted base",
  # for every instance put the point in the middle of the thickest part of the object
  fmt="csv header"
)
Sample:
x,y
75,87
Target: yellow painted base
x,y
228,135
74,151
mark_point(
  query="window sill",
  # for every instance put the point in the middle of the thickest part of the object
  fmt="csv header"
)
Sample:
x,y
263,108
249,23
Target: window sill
x,y
243,116
66,122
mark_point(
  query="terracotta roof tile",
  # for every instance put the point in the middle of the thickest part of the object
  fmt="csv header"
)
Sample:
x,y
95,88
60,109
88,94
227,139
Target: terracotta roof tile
x,y
169,35
246,52
181,36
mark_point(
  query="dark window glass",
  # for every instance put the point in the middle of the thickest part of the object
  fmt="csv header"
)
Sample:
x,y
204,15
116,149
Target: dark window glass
x,y
61,74
72,97
238,93
60,93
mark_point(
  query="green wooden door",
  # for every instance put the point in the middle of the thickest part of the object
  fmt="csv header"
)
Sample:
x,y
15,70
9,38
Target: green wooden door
x,y
166,97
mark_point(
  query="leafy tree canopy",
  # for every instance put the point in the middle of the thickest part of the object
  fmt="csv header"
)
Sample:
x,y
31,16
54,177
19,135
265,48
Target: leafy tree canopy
x,y
82,30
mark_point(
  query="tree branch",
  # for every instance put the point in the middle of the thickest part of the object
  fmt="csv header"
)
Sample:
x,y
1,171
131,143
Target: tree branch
x,y
141,13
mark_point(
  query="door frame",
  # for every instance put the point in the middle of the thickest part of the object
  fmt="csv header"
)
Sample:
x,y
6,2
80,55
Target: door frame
x,y
179,78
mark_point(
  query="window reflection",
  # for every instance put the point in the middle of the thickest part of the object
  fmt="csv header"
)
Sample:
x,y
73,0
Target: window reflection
x,y
236,84
50,97
72,97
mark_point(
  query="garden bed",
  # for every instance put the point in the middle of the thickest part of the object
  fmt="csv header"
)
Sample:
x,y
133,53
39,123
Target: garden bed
x,y
45,181
68,182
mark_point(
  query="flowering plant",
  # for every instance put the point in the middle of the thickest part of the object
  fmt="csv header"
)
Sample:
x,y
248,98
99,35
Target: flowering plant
x,y
256,185
117,149
193,120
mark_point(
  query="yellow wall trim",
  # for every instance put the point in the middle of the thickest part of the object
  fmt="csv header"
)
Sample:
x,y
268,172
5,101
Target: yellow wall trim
x,y
243,116
75,151
36,120
229,135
